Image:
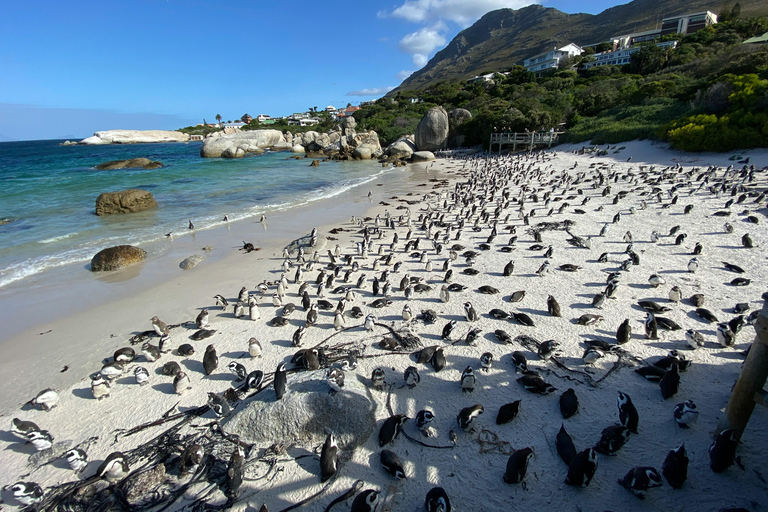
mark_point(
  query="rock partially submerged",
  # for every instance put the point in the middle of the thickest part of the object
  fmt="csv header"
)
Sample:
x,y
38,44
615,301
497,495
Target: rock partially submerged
x,y
135,137
422,156
115,258
124,201
305,242
305,413
132,163
237,145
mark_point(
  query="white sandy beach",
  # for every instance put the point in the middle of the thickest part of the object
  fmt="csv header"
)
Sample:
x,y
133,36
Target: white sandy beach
x,y
471,471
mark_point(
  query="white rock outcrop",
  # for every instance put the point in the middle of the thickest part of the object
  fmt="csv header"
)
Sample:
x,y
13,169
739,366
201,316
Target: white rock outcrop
x,y
135,137
237,145
402,148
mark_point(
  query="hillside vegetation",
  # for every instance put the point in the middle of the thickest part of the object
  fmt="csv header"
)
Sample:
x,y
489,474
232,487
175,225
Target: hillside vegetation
x,y
709,93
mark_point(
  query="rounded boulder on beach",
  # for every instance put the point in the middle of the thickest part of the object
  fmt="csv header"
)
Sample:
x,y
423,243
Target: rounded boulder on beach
x,y
115,258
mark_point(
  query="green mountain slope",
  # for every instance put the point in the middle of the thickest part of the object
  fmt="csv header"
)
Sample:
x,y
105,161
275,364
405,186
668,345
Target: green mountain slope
x,y
506,37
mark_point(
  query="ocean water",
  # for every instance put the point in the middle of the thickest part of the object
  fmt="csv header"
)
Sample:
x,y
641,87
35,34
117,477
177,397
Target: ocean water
x,y
49,192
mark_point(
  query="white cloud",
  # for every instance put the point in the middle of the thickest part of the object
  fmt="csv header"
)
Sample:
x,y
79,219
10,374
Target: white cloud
x,y
404,74
421,43
374,91
463,12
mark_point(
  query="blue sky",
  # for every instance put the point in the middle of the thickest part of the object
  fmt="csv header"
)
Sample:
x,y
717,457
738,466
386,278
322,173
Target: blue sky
x,y
72,68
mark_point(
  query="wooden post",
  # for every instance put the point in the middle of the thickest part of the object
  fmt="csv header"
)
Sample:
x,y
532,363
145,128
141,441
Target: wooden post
x,y
751,380
533,136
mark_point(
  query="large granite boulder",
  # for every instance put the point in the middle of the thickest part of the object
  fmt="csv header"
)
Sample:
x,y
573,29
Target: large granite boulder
x,y
367,140
348,125
124,201
362,153
132,163
401,149
422,156
115,258
305,413
135,137
241,143
432,131
456,118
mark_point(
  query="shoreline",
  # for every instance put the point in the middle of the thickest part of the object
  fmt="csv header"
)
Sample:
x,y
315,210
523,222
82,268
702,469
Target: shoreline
x,y
98,310
469,463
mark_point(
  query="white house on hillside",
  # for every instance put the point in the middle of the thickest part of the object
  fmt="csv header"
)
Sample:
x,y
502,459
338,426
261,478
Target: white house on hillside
x,y
551,59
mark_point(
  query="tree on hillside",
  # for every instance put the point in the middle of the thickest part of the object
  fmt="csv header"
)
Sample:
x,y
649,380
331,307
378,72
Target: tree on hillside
x,y
218,118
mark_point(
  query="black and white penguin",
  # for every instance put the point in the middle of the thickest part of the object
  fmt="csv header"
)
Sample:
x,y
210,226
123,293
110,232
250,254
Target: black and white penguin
x,y
438,360
335,379
694,339
254,379
564,445
160,327
553,307
471,337
424,419
392,464
470,312
27,493
508,412
280,381
670,382
114,468
651,327
77,459
377,378
612,439
468,380
547,349
685,414
41,439
210,360
624,332
582,468
448,329
411,376
517,465
725,335
675,467
520,361
124,355
254,347
628,415
141,375
391,428
640,479
181,383
366,501
202,320
47,399
569,403
329,458
722,453
437,500
486,361
22,429
235,471
171,368
238,369
467,416
219,405
535,384
100,387
190,459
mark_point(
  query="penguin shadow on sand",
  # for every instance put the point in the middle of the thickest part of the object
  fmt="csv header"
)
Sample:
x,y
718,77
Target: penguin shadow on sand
x,y
531,311
193,366
593,285
85,393
164,387
15,444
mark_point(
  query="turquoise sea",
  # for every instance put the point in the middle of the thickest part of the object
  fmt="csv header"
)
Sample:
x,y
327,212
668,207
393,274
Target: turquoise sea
x,y
49,193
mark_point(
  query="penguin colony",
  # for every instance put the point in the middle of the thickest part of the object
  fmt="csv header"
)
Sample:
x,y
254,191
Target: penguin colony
x,y
427,271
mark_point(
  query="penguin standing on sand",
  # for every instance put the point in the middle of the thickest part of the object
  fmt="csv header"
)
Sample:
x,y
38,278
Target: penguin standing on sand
x,y
77,459
99,387
210,360
181,383
467,416
391,428
280,381
114,468
235,471
651,328
582,468
424,419
627,412
468,380
517,465
437,500
329,458
675,467
202,320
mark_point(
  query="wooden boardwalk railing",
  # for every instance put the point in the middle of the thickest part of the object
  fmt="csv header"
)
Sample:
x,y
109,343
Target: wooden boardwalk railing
x,y
527,140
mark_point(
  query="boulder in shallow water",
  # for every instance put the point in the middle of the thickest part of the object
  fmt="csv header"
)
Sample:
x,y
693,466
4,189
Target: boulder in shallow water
x,y
135,137
115,258
131,163
304,413
124,201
